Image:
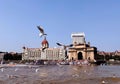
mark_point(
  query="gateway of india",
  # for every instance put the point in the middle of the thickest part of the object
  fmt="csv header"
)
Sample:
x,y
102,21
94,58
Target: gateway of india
x,y
79,51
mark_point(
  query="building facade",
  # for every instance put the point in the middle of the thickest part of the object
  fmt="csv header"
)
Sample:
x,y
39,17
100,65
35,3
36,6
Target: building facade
x,y
47,54
53,54
81,50
31,54
43,53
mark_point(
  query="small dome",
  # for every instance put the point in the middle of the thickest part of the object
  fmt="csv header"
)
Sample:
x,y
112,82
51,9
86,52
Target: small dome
x,y
45,43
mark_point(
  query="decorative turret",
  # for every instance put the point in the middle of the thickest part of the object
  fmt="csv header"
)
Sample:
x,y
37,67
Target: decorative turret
x,y
78,38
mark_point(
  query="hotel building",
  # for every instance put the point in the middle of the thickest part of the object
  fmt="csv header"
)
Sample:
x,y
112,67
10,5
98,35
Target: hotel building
x,y
46,54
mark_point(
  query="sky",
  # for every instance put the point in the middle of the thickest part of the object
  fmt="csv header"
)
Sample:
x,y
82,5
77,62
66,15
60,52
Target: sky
x,y
98,19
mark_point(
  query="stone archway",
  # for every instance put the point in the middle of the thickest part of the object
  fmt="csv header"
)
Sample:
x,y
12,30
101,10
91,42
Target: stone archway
x,y
80,56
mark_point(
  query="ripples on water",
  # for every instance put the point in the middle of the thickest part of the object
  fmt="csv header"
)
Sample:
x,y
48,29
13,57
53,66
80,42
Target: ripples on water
x,y
62,72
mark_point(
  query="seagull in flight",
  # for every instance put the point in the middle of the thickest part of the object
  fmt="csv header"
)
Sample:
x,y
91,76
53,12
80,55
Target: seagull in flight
x,y
43,48
41,31
65,46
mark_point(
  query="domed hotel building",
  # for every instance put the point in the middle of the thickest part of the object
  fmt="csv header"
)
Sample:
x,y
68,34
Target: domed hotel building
x,y
79,51
43,53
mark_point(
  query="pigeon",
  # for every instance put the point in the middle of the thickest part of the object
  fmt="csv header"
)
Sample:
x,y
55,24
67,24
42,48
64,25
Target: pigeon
x,y
41,31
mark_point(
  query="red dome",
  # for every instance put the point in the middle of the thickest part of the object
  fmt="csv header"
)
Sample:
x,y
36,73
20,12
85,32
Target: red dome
x,y
44,42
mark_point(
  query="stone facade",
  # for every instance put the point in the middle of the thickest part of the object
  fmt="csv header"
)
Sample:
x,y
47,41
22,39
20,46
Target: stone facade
x,y
81,50
53,54
47,54
43,53
31,54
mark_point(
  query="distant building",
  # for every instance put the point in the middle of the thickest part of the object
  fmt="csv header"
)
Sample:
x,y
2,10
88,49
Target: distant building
x,y
43,53
31,54
53,54
117,53
103,53
80,49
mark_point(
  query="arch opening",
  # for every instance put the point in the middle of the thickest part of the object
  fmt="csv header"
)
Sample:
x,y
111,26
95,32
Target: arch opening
x,y
80,56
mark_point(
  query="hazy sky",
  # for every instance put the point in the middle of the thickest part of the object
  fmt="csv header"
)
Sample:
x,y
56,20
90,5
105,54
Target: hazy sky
x,y
98,19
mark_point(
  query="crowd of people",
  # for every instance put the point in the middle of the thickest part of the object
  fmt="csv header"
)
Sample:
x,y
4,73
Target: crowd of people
x,y
50,62
62,62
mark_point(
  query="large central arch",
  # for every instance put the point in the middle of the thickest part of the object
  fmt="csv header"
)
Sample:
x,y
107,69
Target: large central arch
x,y
80,56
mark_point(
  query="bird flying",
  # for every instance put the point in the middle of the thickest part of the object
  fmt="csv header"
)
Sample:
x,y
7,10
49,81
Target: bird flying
x,y
65,46
41,31
43,49
59,44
